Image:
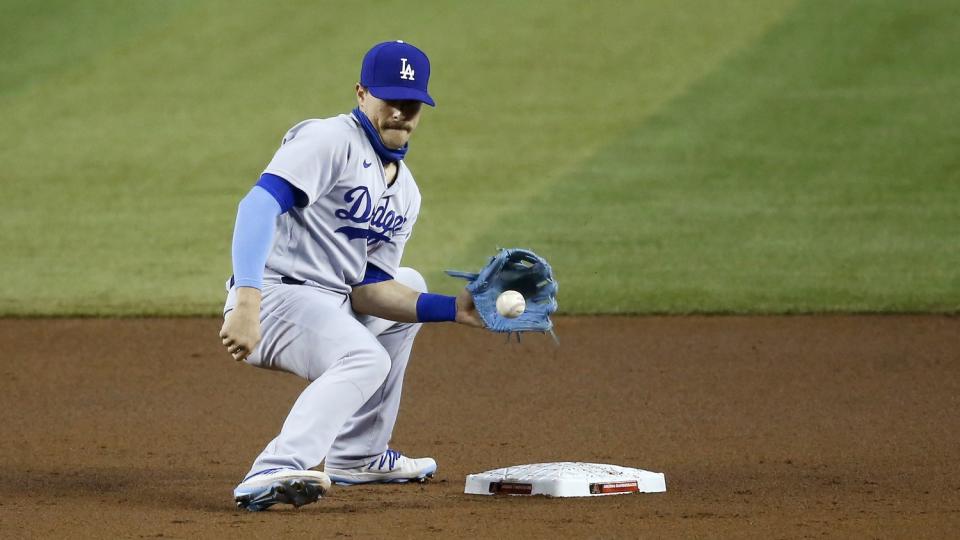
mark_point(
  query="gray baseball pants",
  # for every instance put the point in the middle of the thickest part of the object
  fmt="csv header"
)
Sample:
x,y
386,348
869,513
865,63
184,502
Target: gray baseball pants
x,y
355,365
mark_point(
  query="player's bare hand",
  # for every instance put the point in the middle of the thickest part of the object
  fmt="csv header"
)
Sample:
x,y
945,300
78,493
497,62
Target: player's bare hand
x,y
240,333
466,310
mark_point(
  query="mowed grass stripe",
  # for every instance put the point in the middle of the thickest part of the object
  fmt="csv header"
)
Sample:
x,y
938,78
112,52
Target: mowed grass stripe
x,y
519,124
42,39
815,172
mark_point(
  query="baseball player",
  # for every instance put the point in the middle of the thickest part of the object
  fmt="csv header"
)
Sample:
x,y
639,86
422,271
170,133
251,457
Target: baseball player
x,y
317,287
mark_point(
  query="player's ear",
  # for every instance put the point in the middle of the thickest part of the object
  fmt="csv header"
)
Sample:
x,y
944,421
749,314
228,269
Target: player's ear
x,y
361,93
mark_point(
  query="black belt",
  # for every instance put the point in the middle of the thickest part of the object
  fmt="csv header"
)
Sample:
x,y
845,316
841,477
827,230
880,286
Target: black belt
x,y
283,279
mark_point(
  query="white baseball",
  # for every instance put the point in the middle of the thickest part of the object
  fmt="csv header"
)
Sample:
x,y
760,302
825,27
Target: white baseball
x,y
510,304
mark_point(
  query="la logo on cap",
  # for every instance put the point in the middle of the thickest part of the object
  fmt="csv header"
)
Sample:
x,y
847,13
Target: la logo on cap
x,y
394,70
406,70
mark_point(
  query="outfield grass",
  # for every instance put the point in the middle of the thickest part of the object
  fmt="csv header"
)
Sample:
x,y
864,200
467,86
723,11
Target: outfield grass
x,y
764,156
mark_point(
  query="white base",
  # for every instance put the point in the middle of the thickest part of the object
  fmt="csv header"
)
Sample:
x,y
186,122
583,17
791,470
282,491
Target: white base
x,y
565,479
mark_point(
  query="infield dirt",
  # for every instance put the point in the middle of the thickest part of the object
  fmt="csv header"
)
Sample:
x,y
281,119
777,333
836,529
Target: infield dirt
x,y
784,427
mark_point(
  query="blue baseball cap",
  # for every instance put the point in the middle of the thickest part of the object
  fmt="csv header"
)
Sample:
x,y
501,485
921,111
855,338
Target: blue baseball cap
x,y
396,70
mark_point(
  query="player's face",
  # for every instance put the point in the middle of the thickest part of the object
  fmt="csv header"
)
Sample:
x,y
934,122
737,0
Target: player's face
x,y
395,120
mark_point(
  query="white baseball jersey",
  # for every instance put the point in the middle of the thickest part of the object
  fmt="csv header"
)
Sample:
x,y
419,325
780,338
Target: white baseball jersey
x,y
352,216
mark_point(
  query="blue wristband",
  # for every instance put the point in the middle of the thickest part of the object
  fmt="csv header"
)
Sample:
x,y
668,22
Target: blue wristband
x,y
436,308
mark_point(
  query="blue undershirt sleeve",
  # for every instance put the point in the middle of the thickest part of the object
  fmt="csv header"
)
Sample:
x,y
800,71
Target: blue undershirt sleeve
x,y
253,236
374,274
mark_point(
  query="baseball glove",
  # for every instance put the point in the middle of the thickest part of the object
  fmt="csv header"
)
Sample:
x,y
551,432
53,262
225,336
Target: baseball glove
x,y
518,270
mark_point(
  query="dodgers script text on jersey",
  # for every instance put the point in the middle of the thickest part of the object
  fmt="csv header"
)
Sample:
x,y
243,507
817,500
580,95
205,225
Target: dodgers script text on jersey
x,y
383,218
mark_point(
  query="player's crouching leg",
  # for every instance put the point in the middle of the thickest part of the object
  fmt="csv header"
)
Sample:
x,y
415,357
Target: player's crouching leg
x,y
361,453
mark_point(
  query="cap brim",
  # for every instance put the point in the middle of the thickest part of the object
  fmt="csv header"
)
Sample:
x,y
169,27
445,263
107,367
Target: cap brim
x,y
401,92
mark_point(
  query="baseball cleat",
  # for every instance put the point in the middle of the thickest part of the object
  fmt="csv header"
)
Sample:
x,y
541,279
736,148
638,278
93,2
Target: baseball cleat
x,y
387,468
280,486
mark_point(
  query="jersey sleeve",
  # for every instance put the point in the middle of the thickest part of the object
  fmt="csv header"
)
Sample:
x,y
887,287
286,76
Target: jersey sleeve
x,y
387,255
311,157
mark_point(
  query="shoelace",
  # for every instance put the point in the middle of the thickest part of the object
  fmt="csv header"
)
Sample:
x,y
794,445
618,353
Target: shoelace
x,y
391,455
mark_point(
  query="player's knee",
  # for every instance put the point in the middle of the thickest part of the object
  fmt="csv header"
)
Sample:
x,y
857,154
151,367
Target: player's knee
x,y
411,278
380,367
